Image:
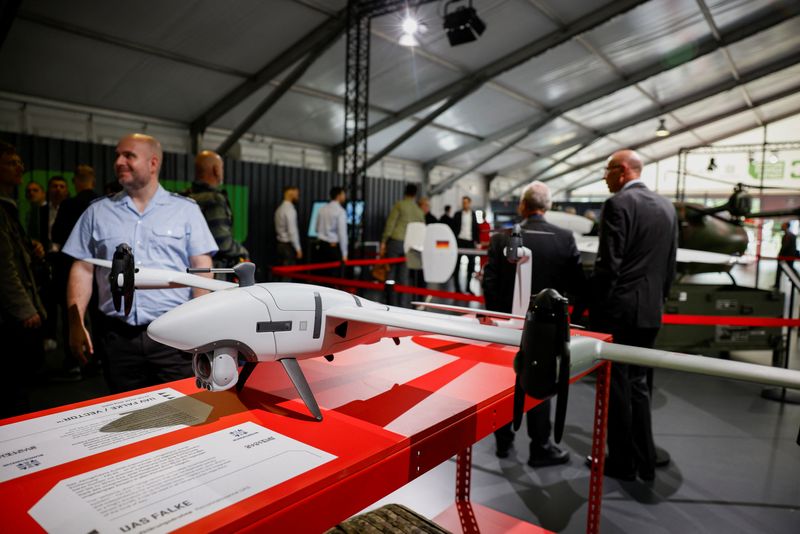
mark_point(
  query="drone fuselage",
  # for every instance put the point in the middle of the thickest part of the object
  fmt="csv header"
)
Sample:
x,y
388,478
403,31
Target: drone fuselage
x,y
266,322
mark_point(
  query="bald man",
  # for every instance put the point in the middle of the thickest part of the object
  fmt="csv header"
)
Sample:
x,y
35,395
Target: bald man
x,y
164,230
633,272
205,190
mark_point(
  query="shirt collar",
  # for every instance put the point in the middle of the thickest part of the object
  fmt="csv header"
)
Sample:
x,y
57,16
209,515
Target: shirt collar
x,y
631,183
161,197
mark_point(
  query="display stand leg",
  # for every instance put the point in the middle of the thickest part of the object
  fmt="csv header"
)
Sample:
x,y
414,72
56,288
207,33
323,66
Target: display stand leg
x,y
598,448
469,524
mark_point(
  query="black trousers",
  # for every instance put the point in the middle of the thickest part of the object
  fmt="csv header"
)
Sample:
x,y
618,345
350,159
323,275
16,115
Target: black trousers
x,y
325,252
630,428
286,255
23,354
471,260
133,360
539,428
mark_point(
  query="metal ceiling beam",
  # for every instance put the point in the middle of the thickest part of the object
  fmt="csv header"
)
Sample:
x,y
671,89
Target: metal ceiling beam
x,y
699,124
763,20
73,29
709,18
669,107
324,34
726,135
272,98
473,81
412,131
445,185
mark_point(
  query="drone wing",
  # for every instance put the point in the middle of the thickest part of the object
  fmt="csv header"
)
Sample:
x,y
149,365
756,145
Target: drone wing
x,y
162,278
423,322
471,311
585,350
761,374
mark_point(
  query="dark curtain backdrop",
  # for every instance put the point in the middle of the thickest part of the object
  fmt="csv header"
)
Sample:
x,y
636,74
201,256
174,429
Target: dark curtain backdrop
x,y
260,184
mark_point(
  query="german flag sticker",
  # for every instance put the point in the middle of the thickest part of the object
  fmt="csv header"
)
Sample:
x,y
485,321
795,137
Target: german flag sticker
x,y
443,244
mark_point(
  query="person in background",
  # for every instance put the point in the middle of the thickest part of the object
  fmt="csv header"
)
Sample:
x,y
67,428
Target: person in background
x,y
68,214
447,219
287,232
425,206
49,289
633,272
788,249
163,229
467,233
36,197
331,244
394,233
556,264
206,190
21,309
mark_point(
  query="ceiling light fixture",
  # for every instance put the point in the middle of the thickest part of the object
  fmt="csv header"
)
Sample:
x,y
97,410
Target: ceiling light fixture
x,y
411,27
463,25
711,165
662,131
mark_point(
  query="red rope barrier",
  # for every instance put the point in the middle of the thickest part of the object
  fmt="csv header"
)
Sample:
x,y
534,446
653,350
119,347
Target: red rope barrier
x,y
285,269
725,320
438,293
782,258
291,272
330,280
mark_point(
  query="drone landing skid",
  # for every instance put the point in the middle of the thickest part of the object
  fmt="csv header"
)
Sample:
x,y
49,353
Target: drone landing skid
x,y
247,370
297,377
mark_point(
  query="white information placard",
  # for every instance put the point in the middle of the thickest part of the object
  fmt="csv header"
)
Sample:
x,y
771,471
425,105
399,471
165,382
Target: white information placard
x,y
166,489
30,446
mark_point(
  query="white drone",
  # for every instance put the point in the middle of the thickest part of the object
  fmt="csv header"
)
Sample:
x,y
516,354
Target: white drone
x,y
288,322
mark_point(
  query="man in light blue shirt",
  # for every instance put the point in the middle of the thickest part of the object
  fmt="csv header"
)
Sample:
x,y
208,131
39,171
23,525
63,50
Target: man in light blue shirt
x,y
165,231
332,229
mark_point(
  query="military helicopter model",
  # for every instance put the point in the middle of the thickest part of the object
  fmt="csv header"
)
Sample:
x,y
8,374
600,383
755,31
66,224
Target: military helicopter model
x,y
703,228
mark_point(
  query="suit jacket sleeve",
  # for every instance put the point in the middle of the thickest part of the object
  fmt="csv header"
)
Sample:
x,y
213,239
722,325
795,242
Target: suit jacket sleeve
x,y
476,231
671,266
613,241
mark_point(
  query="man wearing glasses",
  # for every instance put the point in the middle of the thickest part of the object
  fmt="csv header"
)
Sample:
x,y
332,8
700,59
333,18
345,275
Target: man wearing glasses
x,y
633,272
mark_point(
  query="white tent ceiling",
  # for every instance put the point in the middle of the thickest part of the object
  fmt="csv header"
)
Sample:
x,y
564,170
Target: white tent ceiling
x,y
709,67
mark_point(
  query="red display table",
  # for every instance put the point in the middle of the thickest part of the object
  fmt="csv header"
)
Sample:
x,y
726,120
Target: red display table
x,y
390,414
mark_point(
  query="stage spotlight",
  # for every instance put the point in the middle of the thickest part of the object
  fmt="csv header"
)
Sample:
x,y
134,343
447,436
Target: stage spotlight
x,y
711,165
661,131
462,24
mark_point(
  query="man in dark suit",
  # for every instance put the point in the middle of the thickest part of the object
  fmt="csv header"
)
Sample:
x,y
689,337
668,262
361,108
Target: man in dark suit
x,y
634,269
556,264
465,226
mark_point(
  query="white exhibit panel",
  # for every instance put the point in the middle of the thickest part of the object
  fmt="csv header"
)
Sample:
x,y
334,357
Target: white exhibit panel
x,y
166,489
